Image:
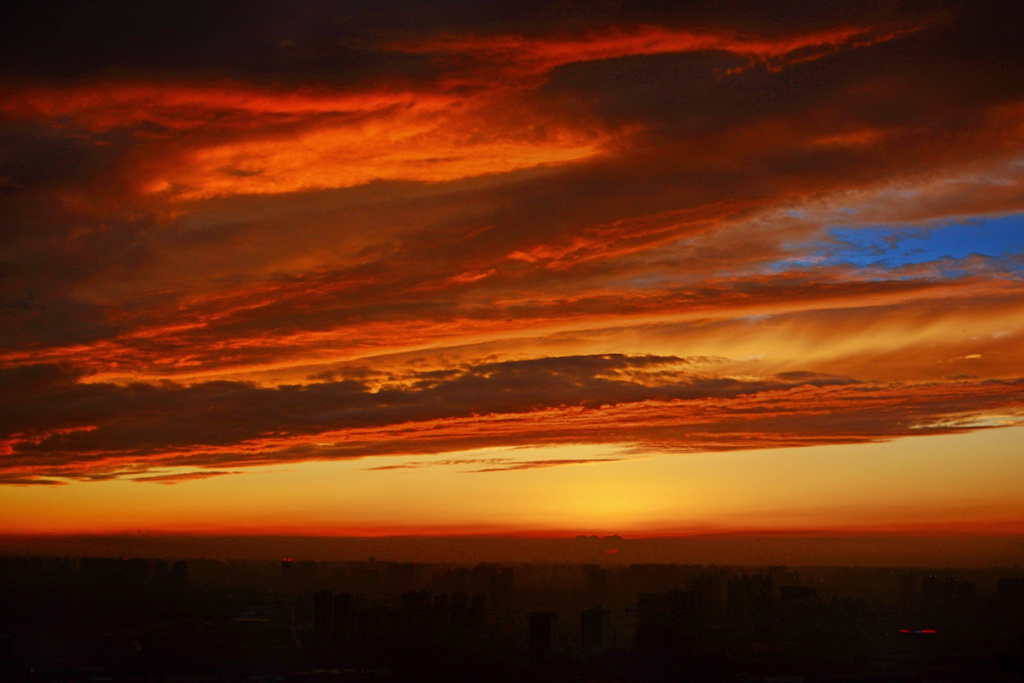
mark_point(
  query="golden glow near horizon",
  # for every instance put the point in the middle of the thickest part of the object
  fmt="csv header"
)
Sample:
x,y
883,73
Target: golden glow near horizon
x,y
964,483
616,274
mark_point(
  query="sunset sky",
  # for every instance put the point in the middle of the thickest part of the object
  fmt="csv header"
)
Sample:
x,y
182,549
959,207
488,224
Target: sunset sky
x,y
376,268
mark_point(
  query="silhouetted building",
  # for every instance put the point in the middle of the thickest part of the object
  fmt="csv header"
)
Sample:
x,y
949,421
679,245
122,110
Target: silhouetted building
x,y
365,577
503,588
484,577
666,623
344,614
597,583
543,634
323,618
135,570
400,577
1011,590
596,630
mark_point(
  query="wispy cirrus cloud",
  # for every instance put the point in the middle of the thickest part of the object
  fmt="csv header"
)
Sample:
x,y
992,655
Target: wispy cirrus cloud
x,y
174,478
478,465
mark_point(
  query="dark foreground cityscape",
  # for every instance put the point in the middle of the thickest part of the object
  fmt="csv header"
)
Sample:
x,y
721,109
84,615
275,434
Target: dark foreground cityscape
x,y
203,620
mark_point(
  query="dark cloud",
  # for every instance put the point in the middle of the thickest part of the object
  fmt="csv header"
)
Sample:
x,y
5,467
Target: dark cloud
x,y
29,480
151,418
184,476
478,465
56,321
543,464
67,39
40,378
34,155
55,426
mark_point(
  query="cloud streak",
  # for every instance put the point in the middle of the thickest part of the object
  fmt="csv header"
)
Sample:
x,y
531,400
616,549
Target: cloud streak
x,y
659,403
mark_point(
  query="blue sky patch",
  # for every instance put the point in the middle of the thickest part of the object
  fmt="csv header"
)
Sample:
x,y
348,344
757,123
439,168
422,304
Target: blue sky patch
x,y
889,247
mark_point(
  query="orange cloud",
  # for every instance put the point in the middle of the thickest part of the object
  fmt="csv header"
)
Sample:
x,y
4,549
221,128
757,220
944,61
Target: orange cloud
x,y
398,146
245,140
